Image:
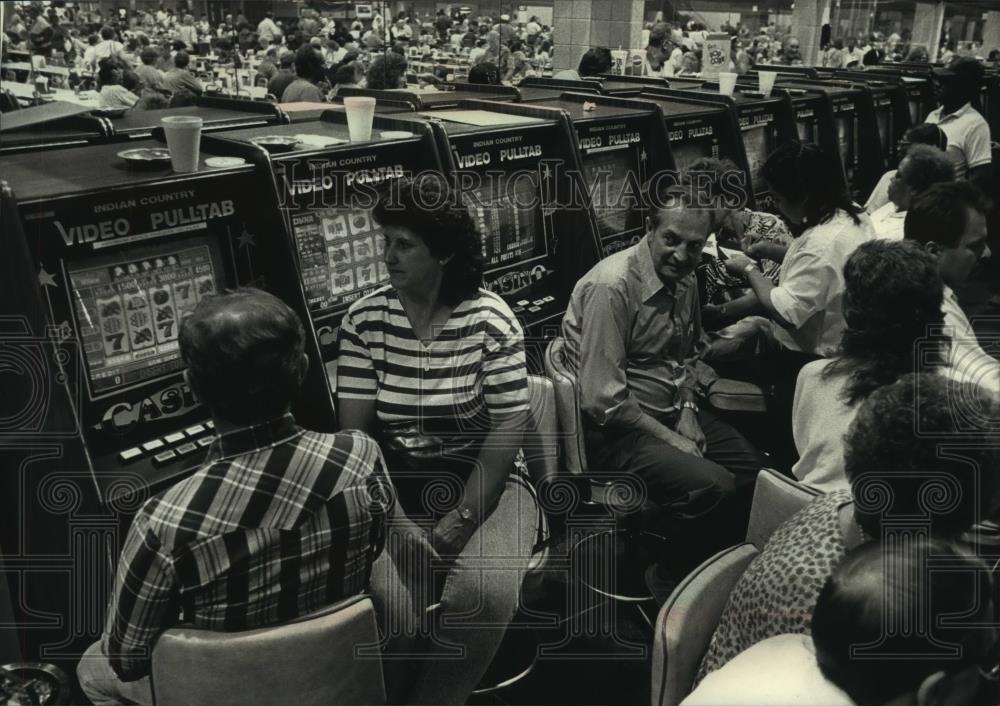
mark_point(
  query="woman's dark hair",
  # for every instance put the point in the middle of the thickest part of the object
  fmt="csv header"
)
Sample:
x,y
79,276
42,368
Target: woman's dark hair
x,y
308,64
243,350
130,79
485,72
926,134
893,458
805,174
940,213
892,299
182,98
595,61
106,71
877,587
437,215
346,73
386,71
926,166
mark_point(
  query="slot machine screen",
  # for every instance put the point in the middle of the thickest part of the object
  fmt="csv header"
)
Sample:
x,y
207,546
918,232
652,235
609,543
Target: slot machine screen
x,y
509,217
691,150
807,129
884,119
607,174
756,142
340,256
845,139
128,307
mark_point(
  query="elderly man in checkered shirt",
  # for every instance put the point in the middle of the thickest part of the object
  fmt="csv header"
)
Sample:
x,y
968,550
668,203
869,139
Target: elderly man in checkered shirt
x,y
276,523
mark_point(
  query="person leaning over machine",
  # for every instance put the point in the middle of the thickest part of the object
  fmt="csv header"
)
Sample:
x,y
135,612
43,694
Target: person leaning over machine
x,y
802,312
632,336
272,506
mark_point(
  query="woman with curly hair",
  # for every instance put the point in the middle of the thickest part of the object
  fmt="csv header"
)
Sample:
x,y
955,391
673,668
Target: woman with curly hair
x,y
110,75
433,366
887,456
892,302
387,71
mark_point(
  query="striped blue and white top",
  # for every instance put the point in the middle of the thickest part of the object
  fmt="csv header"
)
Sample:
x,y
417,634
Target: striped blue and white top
x,y
472,370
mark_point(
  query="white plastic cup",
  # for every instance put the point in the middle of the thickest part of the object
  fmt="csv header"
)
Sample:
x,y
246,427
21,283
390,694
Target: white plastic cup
x,y
767,81
360,112
727,82
183,133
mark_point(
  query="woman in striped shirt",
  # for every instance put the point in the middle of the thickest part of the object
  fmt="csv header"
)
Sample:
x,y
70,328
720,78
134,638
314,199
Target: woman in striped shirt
x,y
433,365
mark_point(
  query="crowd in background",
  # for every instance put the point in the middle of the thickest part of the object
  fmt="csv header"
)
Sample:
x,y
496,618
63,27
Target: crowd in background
x,y
326,53
146,57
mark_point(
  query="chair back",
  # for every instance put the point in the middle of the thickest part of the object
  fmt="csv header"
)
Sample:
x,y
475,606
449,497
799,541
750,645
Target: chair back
x,y
775,499
8,102
567,405
309,662
688,619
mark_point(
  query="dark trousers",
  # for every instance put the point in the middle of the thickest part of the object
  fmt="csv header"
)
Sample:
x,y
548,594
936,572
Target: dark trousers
x,y
777,371
704,510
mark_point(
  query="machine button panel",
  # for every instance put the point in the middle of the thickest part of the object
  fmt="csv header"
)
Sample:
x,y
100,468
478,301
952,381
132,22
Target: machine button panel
x,y
161,459
129,455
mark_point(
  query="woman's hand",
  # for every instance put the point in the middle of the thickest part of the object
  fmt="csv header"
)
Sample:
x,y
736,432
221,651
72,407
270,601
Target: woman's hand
x,y
452,533
766,250
737,264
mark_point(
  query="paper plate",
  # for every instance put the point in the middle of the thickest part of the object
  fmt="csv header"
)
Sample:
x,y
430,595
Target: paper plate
x,y
220,162
146,155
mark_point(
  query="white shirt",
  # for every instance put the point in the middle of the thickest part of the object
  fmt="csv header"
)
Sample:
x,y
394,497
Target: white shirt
x,y
820,419
107,48
968,136
888,222
968,360
811,285
780,671
880,194
117,97
267,29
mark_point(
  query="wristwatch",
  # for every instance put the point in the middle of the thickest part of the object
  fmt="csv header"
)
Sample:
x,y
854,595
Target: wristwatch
x,y
690,405
465,513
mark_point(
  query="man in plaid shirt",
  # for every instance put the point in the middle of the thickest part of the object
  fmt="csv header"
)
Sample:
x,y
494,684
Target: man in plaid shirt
x,y
278,521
